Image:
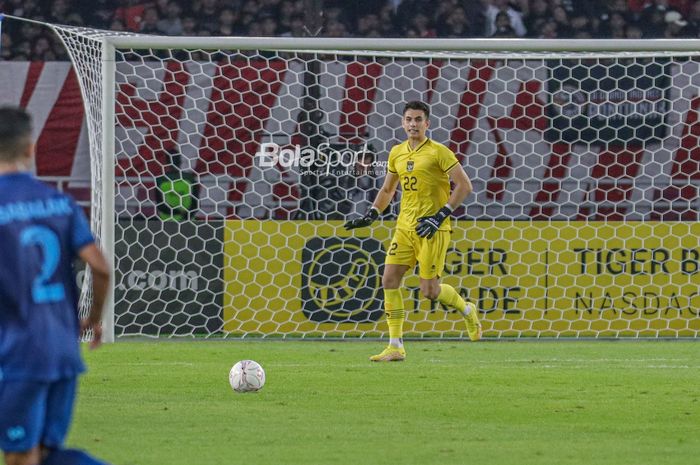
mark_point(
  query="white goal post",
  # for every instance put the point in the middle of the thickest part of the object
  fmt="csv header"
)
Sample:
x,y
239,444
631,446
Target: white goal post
x,y
223,169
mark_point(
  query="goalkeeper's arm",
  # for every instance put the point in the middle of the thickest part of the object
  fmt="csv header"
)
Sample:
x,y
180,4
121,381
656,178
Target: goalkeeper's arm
x,y
428,225
386,193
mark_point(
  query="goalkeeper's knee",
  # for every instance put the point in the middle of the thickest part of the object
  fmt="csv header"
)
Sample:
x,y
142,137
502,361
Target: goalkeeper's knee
x,y
430,288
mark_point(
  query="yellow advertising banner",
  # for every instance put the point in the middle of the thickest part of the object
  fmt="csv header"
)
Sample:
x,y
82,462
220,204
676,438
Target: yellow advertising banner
x,y
541,279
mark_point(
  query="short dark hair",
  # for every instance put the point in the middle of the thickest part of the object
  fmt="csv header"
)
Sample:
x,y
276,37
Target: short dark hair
x,y
15,132
417,105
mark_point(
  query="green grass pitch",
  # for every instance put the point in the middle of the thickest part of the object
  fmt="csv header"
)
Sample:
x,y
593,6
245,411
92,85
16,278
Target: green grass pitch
x,y
539,403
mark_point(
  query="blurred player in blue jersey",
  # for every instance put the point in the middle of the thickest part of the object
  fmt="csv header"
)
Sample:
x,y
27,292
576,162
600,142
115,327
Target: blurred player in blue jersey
x,y
41,233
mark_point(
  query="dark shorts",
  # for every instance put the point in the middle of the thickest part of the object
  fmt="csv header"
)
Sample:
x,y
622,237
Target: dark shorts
x,y
34,412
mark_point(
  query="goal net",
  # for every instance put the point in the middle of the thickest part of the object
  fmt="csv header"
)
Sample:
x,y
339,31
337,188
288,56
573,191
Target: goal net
x,y
229,166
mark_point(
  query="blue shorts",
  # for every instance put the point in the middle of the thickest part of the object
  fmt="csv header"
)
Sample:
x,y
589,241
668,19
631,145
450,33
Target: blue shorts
x,y
35,412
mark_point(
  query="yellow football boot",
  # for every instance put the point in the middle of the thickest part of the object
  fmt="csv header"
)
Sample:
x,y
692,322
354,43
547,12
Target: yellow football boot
x,y
390,354
473,324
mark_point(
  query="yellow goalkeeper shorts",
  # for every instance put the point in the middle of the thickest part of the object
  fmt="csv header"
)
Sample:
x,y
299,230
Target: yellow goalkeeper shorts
x,y
407,248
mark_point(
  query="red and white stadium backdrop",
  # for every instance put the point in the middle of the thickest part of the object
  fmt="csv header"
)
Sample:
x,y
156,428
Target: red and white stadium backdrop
x,y
217,116
50,92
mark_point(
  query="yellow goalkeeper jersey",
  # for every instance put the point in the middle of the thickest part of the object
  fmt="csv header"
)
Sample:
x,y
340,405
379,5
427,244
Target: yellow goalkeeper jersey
x,y
424,178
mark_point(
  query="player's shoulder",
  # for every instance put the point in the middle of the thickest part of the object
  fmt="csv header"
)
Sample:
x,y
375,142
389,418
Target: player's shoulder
x,y
24,183
24,187
440,148
399,148
41,188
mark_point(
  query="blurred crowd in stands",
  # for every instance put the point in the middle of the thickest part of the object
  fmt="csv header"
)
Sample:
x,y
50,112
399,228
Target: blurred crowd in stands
x,y
579,19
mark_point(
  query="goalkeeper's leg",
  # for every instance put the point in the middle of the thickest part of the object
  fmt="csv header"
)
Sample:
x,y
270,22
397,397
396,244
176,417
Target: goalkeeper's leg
x,y
395,314
449,296
432,262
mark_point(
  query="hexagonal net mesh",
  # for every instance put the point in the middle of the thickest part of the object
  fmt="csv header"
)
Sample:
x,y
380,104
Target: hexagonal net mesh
x,y
235,170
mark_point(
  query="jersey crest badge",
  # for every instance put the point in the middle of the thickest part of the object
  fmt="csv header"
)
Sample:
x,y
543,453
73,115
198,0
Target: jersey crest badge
x,y
409,165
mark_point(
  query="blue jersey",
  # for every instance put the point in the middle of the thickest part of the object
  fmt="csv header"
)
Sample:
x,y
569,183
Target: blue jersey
x,y
41,233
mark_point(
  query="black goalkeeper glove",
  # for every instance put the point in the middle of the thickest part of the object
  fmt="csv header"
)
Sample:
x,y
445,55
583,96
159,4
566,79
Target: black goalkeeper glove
x,y
371,215
428,225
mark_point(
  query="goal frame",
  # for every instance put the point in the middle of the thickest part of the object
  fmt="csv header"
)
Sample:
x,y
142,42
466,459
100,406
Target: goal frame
x,y
500,48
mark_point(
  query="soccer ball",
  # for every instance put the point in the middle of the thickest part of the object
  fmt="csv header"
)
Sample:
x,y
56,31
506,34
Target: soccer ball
x,y
246,376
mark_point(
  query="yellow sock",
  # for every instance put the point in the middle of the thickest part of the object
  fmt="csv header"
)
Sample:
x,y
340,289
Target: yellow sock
x,y
450,297
395,314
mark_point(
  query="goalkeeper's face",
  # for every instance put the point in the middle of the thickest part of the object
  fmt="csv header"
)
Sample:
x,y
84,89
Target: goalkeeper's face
x,y
415,124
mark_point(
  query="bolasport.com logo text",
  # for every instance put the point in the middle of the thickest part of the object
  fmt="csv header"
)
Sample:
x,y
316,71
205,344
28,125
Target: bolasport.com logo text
x,y
325,159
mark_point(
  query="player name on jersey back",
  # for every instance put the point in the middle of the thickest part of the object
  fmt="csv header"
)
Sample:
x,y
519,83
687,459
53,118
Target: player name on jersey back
x,y
28,210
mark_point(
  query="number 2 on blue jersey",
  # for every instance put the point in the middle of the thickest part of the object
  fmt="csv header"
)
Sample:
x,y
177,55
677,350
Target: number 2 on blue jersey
x,y
43,291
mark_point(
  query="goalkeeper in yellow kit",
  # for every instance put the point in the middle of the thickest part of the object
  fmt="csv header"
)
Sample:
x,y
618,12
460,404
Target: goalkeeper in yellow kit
x,y
424,169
